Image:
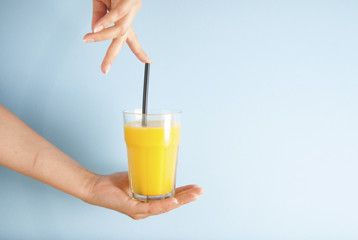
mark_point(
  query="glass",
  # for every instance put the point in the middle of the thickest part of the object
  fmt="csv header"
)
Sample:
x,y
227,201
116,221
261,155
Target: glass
x,y
152,148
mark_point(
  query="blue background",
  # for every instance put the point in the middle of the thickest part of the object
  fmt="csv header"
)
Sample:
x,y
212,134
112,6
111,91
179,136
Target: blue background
x,y
269,95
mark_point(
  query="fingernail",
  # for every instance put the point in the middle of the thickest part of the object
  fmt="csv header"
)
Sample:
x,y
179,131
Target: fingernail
x,y
176,201
88,40
149,60
97,29
106,69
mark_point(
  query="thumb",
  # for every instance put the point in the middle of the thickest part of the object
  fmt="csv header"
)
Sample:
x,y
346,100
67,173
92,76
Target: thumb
x,y
99,10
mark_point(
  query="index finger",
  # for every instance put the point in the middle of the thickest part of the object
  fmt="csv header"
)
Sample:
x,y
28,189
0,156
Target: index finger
x,y
135,46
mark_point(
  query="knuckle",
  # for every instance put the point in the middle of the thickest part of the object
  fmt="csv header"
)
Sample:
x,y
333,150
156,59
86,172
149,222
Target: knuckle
x,y
118,32
118,12
99,38
114,15
121,34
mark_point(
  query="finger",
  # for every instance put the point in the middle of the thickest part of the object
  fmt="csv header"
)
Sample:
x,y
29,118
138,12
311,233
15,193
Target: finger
x,y
188,196
120,29
135,46
112,53
191,193
185,188
121,10
157,207
106,34
99,10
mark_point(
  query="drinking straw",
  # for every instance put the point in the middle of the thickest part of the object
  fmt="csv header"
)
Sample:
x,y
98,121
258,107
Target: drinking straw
x,y
145,95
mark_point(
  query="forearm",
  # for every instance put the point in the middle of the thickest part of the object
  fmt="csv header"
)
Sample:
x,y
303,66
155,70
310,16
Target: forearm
x,y
25,151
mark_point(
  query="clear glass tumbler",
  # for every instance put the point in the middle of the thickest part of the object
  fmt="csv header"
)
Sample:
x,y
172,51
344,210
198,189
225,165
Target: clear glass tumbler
x,y
152,147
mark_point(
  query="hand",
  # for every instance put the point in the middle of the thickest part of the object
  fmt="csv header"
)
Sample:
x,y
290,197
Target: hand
x,y
112,191
121,14
26,152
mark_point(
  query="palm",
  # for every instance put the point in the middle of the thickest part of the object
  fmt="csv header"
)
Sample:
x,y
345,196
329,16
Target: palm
x,y
112,191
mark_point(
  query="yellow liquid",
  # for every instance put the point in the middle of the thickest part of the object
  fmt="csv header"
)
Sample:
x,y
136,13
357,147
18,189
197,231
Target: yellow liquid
x,y
152,157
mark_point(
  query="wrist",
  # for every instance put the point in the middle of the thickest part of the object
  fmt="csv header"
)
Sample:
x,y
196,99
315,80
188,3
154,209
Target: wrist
x,y
90,181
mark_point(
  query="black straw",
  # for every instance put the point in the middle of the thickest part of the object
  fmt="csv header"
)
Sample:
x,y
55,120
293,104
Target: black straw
x,y
145,94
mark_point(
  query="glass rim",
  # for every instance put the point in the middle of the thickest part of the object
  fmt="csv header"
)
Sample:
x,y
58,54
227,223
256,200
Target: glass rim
x,y
155,112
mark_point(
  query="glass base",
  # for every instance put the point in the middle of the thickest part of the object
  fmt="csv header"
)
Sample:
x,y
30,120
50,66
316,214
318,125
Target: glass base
x,y
152,198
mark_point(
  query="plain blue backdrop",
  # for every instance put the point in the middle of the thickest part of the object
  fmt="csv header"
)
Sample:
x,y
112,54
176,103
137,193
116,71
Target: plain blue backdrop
x,y
270,124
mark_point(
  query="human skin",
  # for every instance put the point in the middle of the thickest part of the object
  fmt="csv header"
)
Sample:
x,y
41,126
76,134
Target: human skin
x,y
25,151
121,14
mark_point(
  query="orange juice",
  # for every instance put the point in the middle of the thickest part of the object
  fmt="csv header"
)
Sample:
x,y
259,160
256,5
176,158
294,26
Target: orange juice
x,y
152,157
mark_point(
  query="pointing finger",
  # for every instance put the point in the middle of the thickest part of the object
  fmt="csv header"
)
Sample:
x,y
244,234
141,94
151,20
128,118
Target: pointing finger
x,y
134,45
